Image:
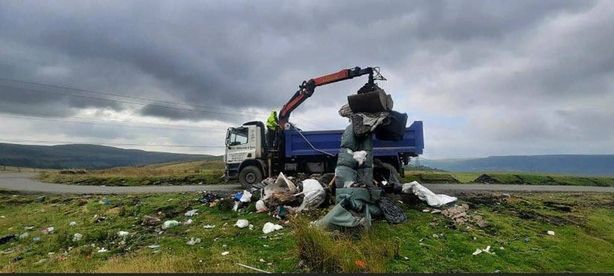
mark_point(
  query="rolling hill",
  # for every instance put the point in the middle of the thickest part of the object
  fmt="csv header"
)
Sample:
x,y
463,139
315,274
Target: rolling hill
x,y
86,156
573,164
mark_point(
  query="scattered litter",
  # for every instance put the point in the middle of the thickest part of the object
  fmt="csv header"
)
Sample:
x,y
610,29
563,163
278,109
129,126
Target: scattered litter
x,y
208,226
251,227
193,241
426,210
7,238
191,213
48,230
551,233
362,264
252,268
208,197
435,211
40,261
485,250
270,227
28,228
262,260
72,223
242,223
36,239
225,253
169,223
187,222
102,250
260,206
123,234
246,197
154,246
24,235
424,194
77,237
105,201
501,248
98,218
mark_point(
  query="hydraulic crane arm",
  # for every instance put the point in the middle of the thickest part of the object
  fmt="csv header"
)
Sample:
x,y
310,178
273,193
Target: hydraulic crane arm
x,y
307,88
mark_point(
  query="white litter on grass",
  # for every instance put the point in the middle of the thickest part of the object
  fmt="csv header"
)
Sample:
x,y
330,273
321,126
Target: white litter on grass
x,y
28,228
270,227
72,223
123,234
191,213
208,226
24,235
193,241
187,222
225,253
169,223
77,237
102,250
153,246
48,230
242,223
260,206
424,194
246,197
251,227
480,251
551,233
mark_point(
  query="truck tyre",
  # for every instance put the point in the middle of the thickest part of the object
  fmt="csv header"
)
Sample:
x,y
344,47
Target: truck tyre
x,y
249,176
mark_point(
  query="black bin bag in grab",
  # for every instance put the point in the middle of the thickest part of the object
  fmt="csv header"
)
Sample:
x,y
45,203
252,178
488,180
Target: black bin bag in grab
x,y
394,130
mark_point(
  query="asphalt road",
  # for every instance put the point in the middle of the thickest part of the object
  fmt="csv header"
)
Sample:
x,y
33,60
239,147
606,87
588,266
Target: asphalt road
x,y
25,182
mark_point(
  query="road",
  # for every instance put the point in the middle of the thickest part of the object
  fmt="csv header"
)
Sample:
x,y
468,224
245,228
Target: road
x,y
25,182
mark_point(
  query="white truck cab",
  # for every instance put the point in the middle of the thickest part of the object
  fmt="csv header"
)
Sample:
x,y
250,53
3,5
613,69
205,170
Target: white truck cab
x,y
245,147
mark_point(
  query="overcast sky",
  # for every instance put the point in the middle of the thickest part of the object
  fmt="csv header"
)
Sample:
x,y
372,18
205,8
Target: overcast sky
x,y
485,77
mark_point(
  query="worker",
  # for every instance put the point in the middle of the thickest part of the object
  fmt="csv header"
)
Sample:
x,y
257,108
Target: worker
x,y
271,124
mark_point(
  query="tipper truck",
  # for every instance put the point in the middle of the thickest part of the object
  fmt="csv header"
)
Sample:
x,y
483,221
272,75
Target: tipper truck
x,y
250,156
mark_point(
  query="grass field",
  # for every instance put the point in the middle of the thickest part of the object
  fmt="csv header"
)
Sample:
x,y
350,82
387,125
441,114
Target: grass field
x,y
196,172
583,240
210,172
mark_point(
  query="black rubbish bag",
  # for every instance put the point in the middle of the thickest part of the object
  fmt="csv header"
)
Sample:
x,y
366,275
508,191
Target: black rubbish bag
x,y
393,131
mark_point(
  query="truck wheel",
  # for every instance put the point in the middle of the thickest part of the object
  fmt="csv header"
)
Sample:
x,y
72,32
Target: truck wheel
x,y
250,175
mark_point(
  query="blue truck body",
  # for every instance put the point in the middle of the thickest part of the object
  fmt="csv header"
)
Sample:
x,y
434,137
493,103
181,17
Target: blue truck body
x,y
329,141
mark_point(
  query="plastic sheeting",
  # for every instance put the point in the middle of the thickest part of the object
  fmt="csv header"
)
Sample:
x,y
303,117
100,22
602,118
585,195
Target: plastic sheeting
x,y
424,194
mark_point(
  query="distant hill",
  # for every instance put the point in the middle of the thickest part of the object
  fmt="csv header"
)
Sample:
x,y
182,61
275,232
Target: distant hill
x,y
593,165
85,156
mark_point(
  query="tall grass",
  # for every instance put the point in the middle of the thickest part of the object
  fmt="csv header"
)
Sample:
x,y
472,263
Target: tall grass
x,y
339,252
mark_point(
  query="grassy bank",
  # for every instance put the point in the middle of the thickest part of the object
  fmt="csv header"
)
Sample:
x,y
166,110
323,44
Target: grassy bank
x,y
427,242
506,178
210,172
197,172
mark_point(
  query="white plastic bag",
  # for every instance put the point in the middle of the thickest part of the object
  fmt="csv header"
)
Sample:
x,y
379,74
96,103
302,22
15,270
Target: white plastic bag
x,y
314,194
242,223
270,227
424,194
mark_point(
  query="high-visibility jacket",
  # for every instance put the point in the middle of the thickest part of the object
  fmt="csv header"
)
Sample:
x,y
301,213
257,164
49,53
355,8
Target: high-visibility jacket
x,y
271,122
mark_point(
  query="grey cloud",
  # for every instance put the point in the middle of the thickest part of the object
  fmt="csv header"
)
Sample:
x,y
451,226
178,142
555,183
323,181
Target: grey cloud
x,y
455,58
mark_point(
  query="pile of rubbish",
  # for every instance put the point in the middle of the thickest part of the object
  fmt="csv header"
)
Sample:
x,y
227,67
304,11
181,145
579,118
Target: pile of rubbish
x,y
361,188
358,195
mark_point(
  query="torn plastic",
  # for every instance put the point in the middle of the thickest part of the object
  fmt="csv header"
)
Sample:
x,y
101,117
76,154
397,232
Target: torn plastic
x,y
169,224
424,194
314,194
242,223
270,227
191,213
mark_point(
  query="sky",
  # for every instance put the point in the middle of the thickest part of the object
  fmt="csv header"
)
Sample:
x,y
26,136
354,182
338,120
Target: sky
x,y
485,77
